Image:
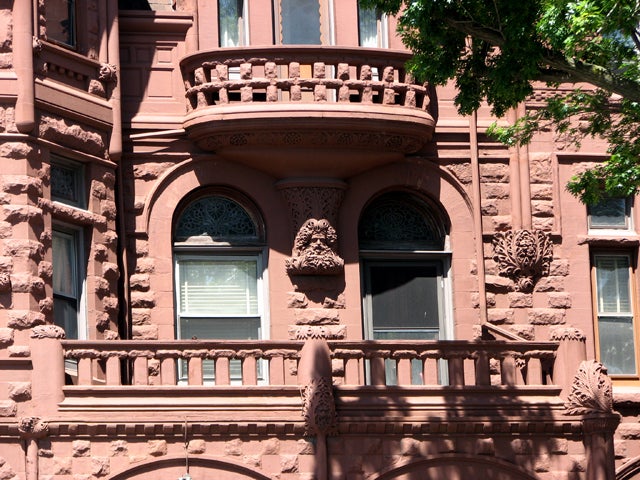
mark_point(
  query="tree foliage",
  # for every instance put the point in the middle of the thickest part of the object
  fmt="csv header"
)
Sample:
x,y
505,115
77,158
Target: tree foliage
x,y
496,49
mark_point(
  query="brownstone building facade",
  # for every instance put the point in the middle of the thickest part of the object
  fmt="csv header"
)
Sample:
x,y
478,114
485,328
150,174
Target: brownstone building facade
x,y
239,241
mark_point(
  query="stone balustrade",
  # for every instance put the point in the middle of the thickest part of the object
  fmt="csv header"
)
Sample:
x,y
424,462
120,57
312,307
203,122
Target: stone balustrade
x,y
242,363
301,74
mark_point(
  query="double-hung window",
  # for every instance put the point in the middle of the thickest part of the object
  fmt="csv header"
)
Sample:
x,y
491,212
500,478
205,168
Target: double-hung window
x,y
218,252
614,305
61,21
233,23
611,213
303,22
372,28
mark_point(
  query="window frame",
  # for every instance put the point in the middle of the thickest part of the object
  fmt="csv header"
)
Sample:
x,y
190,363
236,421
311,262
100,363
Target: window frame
x,y
73,21
79,174
382,27
613,229
242,22
78,273
327,22
624,378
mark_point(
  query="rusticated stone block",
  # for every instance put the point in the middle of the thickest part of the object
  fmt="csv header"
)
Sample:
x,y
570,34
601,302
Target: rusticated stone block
x,y
145,265
499,316
25,283
558,446
543,316
157,448
140,316
197,446
540,168
140,282
108,209
19,351
110,271
271,447
546,224
490,299
101,286
494,172
542,463
19,391
305,447
110,305
23,319
118,448
559,267
620,449
17,184
142,300
541,192
316,316
497,282
8,408
251,460
62,466
81,448
46,305
60,130
542,208
289,463
462,171
145,332
495,190
549,284
233,448
6,336
521,446
102,321
501,223
489,208
520,300
559,300
338,302
45,270
100,466
629,431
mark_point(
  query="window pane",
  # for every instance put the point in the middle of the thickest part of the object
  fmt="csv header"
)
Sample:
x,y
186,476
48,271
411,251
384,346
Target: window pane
x,y
609,213
65,315
64,261
612,280
368,27
300,22
61,21
230,22
218,287
220,328
617,349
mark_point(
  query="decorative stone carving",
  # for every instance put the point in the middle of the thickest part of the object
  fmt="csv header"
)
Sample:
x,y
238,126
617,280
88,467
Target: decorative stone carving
x,y
523,255
37,46
108,73
318,407
315,250
48,331
565,332
33,427
591,390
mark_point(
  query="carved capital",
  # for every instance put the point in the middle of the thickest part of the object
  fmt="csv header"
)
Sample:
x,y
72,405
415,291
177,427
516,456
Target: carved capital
x,y
48,331
565,332
591,390
33,427
108,73
523,255
318,407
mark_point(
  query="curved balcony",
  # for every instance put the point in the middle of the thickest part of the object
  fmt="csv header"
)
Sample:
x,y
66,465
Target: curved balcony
x,y
319,110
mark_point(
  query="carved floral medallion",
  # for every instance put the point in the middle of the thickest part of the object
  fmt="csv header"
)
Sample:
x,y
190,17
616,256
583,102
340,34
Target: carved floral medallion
x,y
524,256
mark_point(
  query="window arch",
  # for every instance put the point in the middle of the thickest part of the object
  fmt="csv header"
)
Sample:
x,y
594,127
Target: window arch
x,y
402,239
218,245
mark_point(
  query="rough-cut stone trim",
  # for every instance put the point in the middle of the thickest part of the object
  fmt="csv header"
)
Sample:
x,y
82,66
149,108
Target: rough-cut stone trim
x,y
591,390
48,331
557,334
523,255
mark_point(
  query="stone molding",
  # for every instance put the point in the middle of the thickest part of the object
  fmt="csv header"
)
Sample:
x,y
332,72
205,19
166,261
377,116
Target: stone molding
x,y
524,256
560,333
318,407
48,331
33,427
591,390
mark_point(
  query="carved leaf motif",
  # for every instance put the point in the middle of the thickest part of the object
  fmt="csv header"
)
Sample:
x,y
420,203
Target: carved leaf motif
x,y
318,407
591,390
523,255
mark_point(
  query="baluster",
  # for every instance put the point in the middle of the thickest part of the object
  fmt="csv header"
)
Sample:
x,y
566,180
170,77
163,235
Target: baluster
x,y
430,371
222,371
404,371
140,371
276,370
85,376
270,72
319,90
366,95
353,371
223,76
195,370
249,371
534,371
483,375
376,365
200,79
112,371
456,371
246,92
167,371
294,76
410,94
389,95
343,75
508,370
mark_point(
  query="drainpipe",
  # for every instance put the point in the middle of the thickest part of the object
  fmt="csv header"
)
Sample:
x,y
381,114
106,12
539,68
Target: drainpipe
x,y
477,215
516,179
525,178
23,65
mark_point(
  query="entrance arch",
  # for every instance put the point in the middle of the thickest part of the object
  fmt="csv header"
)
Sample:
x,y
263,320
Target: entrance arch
x,y
457,467
170,468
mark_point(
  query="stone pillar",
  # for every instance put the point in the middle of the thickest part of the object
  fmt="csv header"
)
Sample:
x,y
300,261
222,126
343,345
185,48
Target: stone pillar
x,y
315,267
48,364
31,429
598,443
572,351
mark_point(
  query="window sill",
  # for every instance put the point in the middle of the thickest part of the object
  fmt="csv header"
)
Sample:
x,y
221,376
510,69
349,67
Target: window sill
x,y
609,239
626,396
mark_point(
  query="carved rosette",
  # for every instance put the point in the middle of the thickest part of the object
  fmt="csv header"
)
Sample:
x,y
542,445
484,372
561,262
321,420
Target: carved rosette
x,y
591,390
524,256
48,331
318,407
314,210
33,427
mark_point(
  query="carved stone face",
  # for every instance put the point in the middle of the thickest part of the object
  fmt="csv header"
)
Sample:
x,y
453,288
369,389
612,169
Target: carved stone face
x,y
314,250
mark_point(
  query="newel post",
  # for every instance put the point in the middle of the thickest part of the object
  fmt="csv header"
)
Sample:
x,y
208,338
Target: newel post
x,y
572,351
48,364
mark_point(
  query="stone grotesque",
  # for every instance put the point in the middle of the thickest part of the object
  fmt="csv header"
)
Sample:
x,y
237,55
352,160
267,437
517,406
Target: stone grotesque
x,y
591,390
33,427
314,250
107,73
523,255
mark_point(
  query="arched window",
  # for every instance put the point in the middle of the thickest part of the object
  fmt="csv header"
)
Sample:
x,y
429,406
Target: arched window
x,y
402,240
218,245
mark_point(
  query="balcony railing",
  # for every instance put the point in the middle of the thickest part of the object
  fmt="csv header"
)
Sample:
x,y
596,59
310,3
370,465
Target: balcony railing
x,y
441,363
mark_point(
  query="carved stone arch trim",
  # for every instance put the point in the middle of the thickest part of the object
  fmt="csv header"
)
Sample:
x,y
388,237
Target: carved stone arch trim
x,y
464,466
630,470
196,462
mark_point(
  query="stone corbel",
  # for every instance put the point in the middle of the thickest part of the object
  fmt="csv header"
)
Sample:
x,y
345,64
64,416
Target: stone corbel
x,y
108,73
31,429
314,210
524,256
